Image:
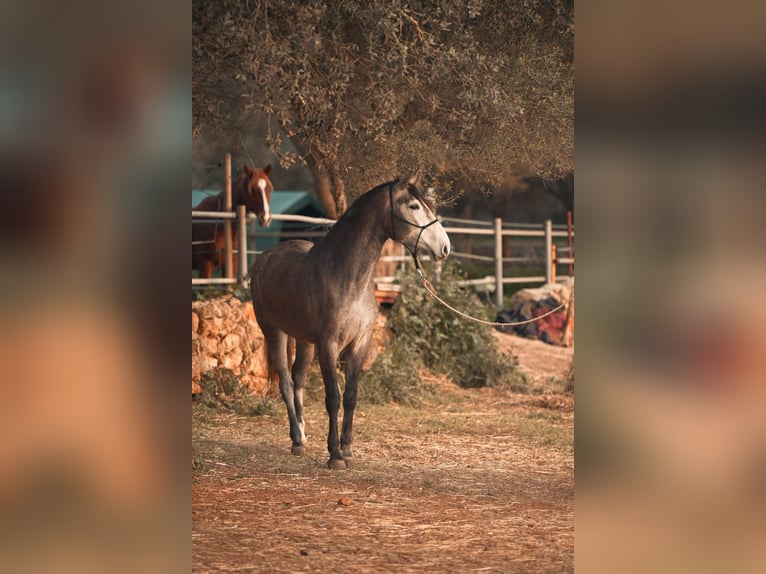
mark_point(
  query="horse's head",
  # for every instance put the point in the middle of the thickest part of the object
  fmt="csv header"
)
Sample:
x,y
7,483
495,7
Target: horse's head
x,y
413,222
257,193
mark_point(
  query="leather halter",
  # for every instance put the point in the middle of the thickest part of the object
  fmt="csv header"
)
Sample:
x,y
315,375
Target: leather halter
x,y
413,251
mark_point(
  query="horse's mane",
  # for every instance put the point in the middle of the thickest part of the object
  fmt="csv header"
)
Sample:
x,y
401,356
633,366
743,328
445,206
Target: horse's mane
x,y
410,187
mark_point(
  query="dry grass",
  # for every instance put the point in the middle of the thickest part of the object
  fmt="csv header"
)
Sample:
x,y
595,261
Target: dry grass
x,y
472,481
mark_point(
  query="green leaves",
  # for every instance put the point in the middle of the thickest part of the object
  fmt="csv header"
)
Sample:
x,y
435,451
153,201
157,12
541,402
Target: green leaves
x,y
393,377
376,87
445,343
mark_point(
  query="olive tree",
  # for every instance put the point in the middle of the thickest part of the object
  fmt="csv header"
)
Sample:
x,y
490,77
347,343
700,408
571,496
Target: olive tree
x,y
364,88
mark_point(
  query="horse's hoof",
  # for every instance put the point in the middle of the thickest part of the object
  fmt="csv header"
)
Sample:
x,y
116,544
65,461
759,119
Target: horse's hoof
x,y
298,450
337,464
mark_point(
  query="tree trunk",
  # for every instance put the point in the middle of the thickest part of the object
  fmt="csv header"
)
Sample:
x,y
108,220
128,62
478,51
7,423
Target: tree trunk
x,y
329,185
323,187
338,191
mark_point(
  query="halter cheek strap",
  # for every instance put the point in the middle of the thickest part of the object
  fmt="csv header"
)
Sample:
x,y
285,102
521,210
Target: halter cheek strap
x,y
413,251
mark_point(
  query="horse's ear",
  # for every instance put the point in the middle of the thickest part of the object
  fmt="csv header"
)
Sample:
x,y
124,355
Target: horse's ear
x,y
411,179
267,169
248,171
414,179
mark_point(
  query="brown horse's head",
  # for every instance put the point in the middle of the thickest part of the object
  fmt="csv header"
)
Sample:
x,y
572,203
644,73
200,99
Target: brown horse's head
x,y
256,193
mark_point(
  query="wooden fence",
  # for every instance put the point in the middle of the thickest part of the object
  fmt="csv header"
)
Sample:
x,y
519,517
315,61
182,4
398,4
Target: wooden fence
x,y
472,228
454,227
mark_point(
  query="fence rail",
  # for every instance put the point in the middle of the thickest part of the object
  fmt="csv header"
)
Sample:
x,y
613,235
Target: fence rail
x,y
498,230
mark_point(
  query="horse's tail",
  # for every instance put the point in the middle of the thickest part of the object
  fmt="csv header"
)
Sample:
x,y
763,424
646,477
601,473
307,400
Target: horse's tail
x,y
290,350
272,376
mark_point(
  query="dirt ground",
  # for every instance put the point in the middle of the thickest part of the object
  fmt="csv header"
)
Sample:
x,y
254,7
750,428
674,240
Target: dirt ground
x,y
538,360
477,480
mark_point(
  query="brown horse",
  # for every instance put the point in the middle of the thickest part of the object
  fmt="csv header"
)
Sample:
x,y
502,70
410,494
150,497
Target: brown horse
x,y
323,296
252,189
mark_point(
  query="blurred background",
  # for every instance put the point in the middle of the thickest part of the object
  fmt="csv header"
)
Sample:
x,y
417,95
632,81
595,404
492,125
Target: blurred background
x,y
671,356
95,110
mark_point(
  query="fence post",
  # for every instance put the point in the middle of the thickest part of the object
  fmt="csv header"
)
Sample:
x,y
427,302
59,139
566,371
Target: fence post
x,y
499,262
569,242
227,238
242,245
548,252
553,263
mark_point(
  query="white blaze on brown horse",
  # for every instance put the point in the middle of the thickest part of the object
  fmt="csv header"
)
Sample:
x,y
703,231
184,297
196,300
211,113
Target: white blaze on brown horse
x,y
253,190
322,296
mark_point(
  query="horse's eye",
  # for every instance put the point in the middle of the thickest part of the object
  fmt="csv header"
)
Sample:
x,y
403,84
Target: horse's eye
x,y
415,206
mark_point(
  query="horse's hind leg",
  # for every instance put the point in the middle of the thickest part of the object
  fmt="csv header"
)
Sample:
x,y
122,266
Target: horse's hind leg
x,y
277,345
304,353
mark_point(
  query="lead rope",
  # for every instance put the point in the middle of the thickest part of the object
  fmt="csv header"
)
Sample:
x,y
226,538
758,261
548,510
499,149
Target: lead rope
x,y
431,291
430,288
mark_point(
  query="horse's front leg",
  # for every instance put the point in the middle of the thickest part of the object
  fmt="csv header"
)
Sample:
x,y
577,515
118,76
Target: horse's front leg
x,y
328,360
206,268
355,357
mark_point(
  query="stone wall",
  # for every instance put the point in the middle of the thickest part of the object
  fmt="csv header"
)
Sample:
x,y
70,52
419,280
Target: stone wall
x,y
225,334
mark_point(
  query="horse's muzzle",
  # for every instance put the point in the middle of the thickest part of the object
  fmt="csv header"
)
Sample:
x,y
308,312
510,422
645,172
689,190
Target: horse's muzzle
x,y
444,253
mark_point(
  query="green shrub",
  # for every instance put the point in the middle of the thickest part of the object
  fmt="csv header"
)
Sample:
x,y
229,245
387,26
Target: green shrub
x,y
393,377
210,292
427,334
216,291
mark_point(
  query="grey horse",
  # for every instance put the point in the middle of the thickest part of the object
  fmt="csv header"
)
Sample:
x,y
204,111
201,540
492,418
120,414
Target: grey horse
x,y
322,296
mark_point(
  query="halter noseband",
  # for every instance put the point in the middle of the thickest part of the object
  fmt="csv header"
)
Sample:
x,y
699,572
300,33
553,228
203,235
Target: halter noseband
x,y
414,251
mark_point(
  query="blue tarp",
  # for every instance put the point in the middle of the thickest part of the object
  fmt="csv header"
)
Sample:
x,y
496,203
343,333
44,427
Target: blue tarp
x,y
282,202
